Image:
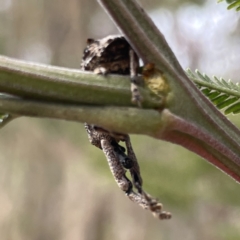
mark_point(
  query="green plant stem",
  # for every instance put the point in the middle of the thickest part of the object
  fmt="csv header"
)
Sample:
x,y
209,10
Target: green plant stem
x,y
196,123
119,119
38,81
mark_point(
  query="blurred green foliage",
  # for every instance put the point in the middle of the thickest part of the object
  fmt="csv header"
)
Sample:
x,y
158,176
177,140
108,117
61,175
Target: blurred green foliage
x,y
232,4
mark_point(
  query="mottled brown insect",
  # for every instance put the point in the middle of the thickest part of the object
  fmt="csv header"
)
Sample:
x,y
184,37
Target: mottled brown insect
x,y
107,55
113,54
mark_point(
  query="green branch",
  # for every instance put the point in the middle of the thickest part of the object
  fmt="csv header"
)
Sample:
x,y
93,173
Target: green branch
x,y
195,123
37,81
119,119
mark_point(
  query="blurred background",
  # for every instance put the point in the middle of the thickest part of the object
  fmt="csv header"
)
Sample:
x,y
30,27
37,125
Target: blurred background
x,y
55,185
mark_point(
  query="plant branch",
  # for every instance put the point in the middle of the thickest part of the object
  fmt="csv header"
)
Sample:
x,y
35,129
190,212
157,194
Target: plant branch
x,y
118,119
38,81
196,123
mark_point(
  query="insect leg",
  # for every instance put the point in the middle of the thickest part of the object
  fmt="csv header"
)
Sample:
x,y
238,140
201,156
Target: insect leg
x,y
134,64
115,166
93,135
135,169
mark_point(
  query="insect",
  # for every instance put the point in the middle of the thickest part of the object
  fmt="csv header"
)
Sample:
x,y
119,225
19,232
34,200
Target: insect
x,y
113,54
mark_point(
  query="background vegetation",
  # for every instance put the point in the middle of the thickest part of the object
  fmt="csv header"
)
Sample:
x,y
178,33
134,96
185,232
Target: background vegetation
x,y
55,185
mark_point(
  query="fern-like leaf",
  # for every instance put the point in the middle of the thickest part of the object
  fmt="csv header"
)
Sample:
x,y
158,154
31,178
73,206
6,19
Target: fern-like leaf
x,y
232,4
223,94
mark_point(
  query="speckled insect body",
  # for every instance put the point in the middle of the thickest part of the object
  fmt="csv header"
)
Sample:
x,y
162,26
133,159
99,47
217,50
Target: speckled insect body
x,y
107,55
113,54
